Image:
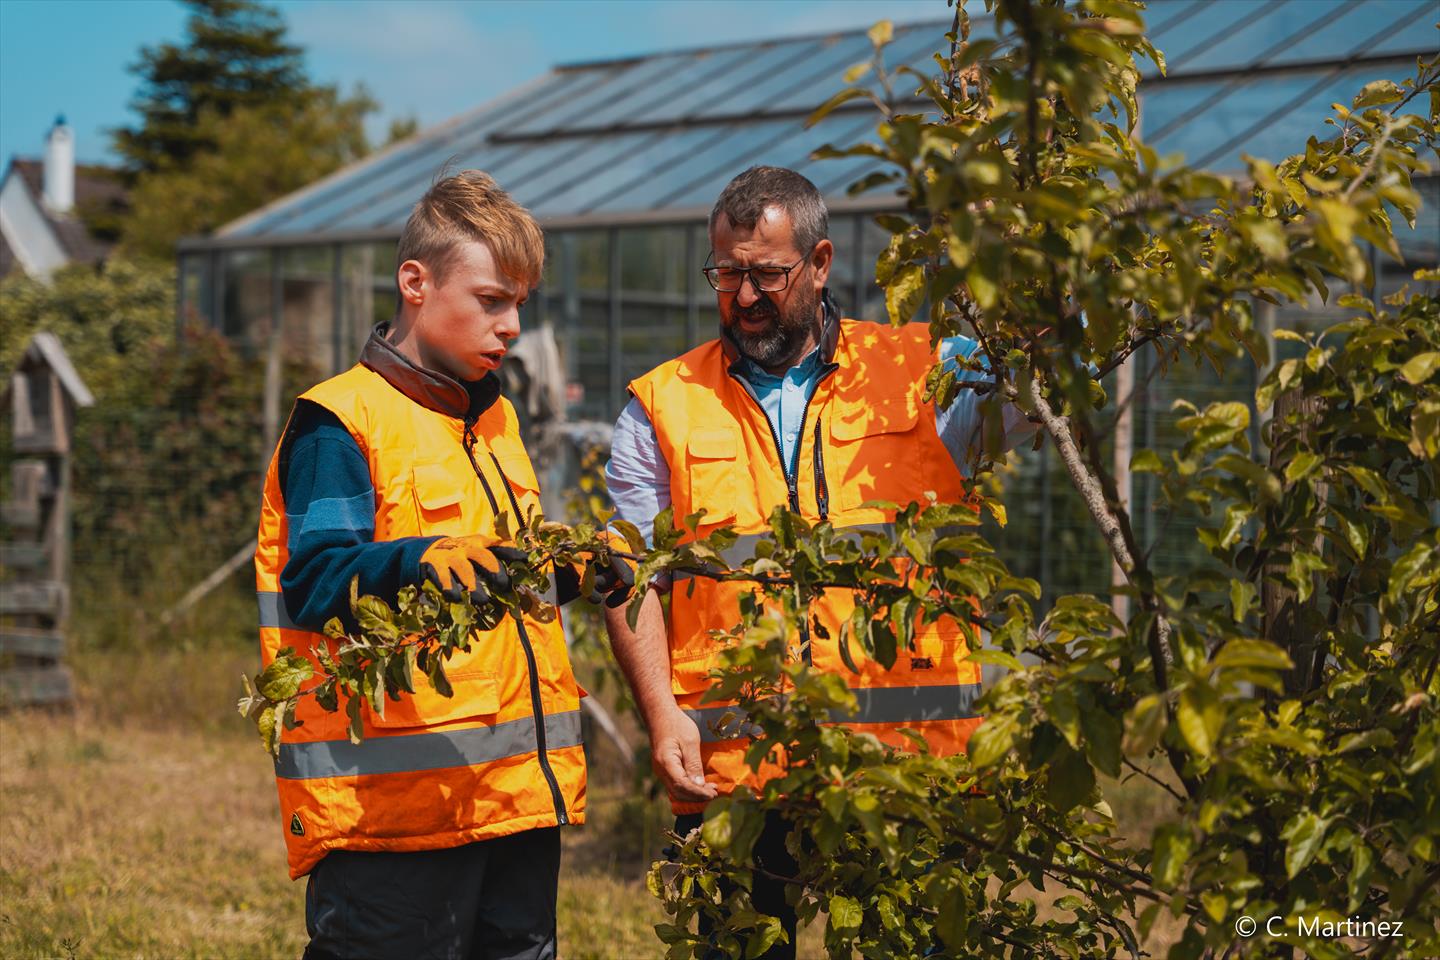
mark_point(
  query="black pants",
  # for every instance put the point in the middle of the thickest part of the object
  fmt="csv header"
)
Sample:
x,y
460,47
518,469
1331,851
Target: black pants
x,y
766,892
490,900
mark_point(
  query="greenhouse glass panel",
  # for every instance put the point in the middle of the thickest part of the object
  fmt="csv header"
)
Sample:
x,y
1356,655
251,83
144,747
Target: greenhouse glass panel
x,y
367,294
307,290
246,302
762,62
196,297
1270,118
1374,27
1271,28
631,173
1224,22
810,76
778,143
620,86
874,238
687,73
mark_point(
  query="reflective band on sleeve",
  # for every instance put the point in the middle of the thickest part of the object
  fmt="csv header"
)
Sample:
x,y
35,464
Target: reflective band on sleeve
x,y
874,705
744,547
424,751
273,612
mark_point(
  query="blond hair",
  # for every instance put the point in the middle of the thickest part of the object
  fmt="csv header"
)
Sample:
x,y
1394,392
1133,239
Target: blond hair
x,y
471,206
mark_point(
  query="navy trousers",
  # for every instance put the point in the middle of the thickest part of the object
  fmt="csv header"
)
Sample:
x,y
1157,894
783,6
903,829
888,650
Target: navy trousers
x,y
766,892
489,900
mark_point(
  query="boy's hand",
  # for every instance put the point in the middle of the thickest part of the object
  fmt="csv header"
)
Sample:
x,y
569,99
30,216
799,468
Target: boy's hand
x,y
613,580
472,565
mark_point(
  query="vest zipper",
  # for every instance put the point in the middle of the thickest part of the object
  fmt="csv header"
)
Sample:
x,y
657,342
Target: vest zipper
x,y
822,489
537,709
542,750
792,472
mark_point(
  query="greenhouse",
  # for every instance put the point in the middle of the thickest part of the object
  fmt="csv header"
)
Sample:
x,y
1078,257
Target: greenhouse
x,y
620,161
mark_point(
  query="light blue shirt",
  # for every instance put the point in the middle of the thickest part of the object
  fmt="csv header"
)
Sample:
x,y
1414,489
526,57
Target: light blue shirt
x,y
639,477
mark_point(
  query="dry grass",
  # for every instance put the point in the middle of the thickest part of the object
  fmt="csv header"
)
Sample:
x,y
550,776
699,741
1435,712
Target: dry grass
x,y
143,825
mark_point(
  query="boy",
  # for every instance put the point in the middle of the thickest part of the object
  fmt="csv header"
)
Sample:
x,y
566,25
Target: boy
x,y
438,835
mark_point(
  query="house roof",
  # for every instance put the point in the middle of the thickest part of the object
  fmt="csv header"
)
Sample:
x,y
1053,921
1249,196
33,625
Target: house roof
x,y
96,188
655,138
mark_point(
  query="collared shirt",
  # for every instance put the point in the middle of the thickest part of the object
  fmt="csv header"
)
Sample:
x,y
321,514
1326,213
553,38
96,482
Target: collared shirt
x,y
639,477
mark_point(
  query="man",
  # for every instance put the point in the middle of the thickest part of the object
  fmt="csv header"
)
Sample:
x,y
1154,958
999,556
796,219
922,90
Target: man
x,y
438,834
791,405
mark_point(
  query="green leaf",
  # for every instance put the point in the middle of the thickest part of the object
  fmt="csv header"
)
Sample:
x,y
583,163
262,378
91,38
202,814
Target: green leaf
x,y
1200,716
1146,461
996,658
1241,652
1242,595
281,680
903,293
1102,740
1420,367
1378,92
716,830
1304,464
1173,843
845,914
826,108
992,740
767,933
1303,836
630,532
882,33
1376,739
1144,725
1071,780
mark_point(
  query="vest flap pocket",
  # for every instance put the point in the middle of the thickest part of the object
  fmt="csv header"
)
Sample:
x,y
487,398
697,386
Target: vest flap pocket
x,y
852,422
712,444
712,453
691,674
477,694
436,488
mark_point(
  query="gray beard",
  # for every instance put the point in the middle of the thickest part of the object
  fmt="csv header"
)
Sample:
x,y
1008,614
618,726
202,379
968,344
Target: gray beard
x,y
781,344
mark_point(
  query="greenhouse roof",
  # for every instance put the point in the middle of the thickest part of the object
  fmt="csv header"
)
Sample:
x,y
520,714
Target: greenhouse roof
x,y
655,138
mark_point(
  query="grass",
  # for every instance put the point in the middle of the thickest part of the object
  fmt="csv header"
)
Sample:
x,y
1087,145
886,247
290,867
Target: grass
x,y
143,824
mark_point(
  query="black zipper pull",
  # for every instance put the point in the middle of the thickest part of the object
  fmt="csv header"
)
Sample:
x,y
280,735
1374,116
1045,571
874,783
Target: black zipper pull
x,y
822,490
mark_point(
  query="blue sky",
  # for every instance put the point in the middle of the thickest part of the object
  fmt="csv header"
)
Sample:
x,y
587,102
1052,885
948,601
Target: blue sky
x,y
428,58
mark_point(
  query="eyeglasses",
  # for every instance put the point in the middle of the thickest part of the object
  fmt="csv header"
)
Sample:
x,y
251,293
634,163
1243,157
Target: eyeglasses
x,y
763,279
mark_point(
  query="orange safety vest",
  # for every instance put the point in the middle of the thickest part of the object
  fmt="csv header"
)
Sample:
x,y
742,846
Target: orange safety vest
x,y
504,753
866,435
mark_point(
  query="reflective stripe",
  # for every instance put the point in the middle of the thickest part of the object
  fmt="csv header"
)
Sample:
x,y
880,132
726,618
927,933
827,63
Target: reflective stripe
x,y
273,612
424,751
874,705
744,547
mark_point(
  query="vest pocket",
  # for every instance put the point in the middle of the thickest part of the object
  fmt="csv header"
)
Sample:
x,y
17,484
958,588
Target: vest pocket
x,y
477,694
871,456
438,496
690,671
710,472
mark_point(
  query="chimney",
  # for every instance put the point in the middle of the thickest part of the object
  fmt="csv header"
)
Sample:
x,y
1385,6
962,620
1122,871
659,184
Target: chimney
x,y
59,177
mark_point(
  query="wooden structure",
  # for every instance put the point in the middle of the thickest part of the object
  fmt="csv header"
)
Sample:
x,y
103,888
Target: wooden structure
x,y
44,392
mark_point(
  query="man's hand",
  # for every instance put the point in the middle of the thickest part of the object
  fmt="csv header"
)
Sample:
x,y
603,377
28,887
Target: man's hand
x,y
675,754
473,565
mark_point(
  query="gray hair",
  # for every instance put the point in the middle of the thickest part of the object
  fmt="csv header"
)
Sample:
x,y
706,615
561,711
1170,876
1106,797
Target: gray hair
x,y
744,200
